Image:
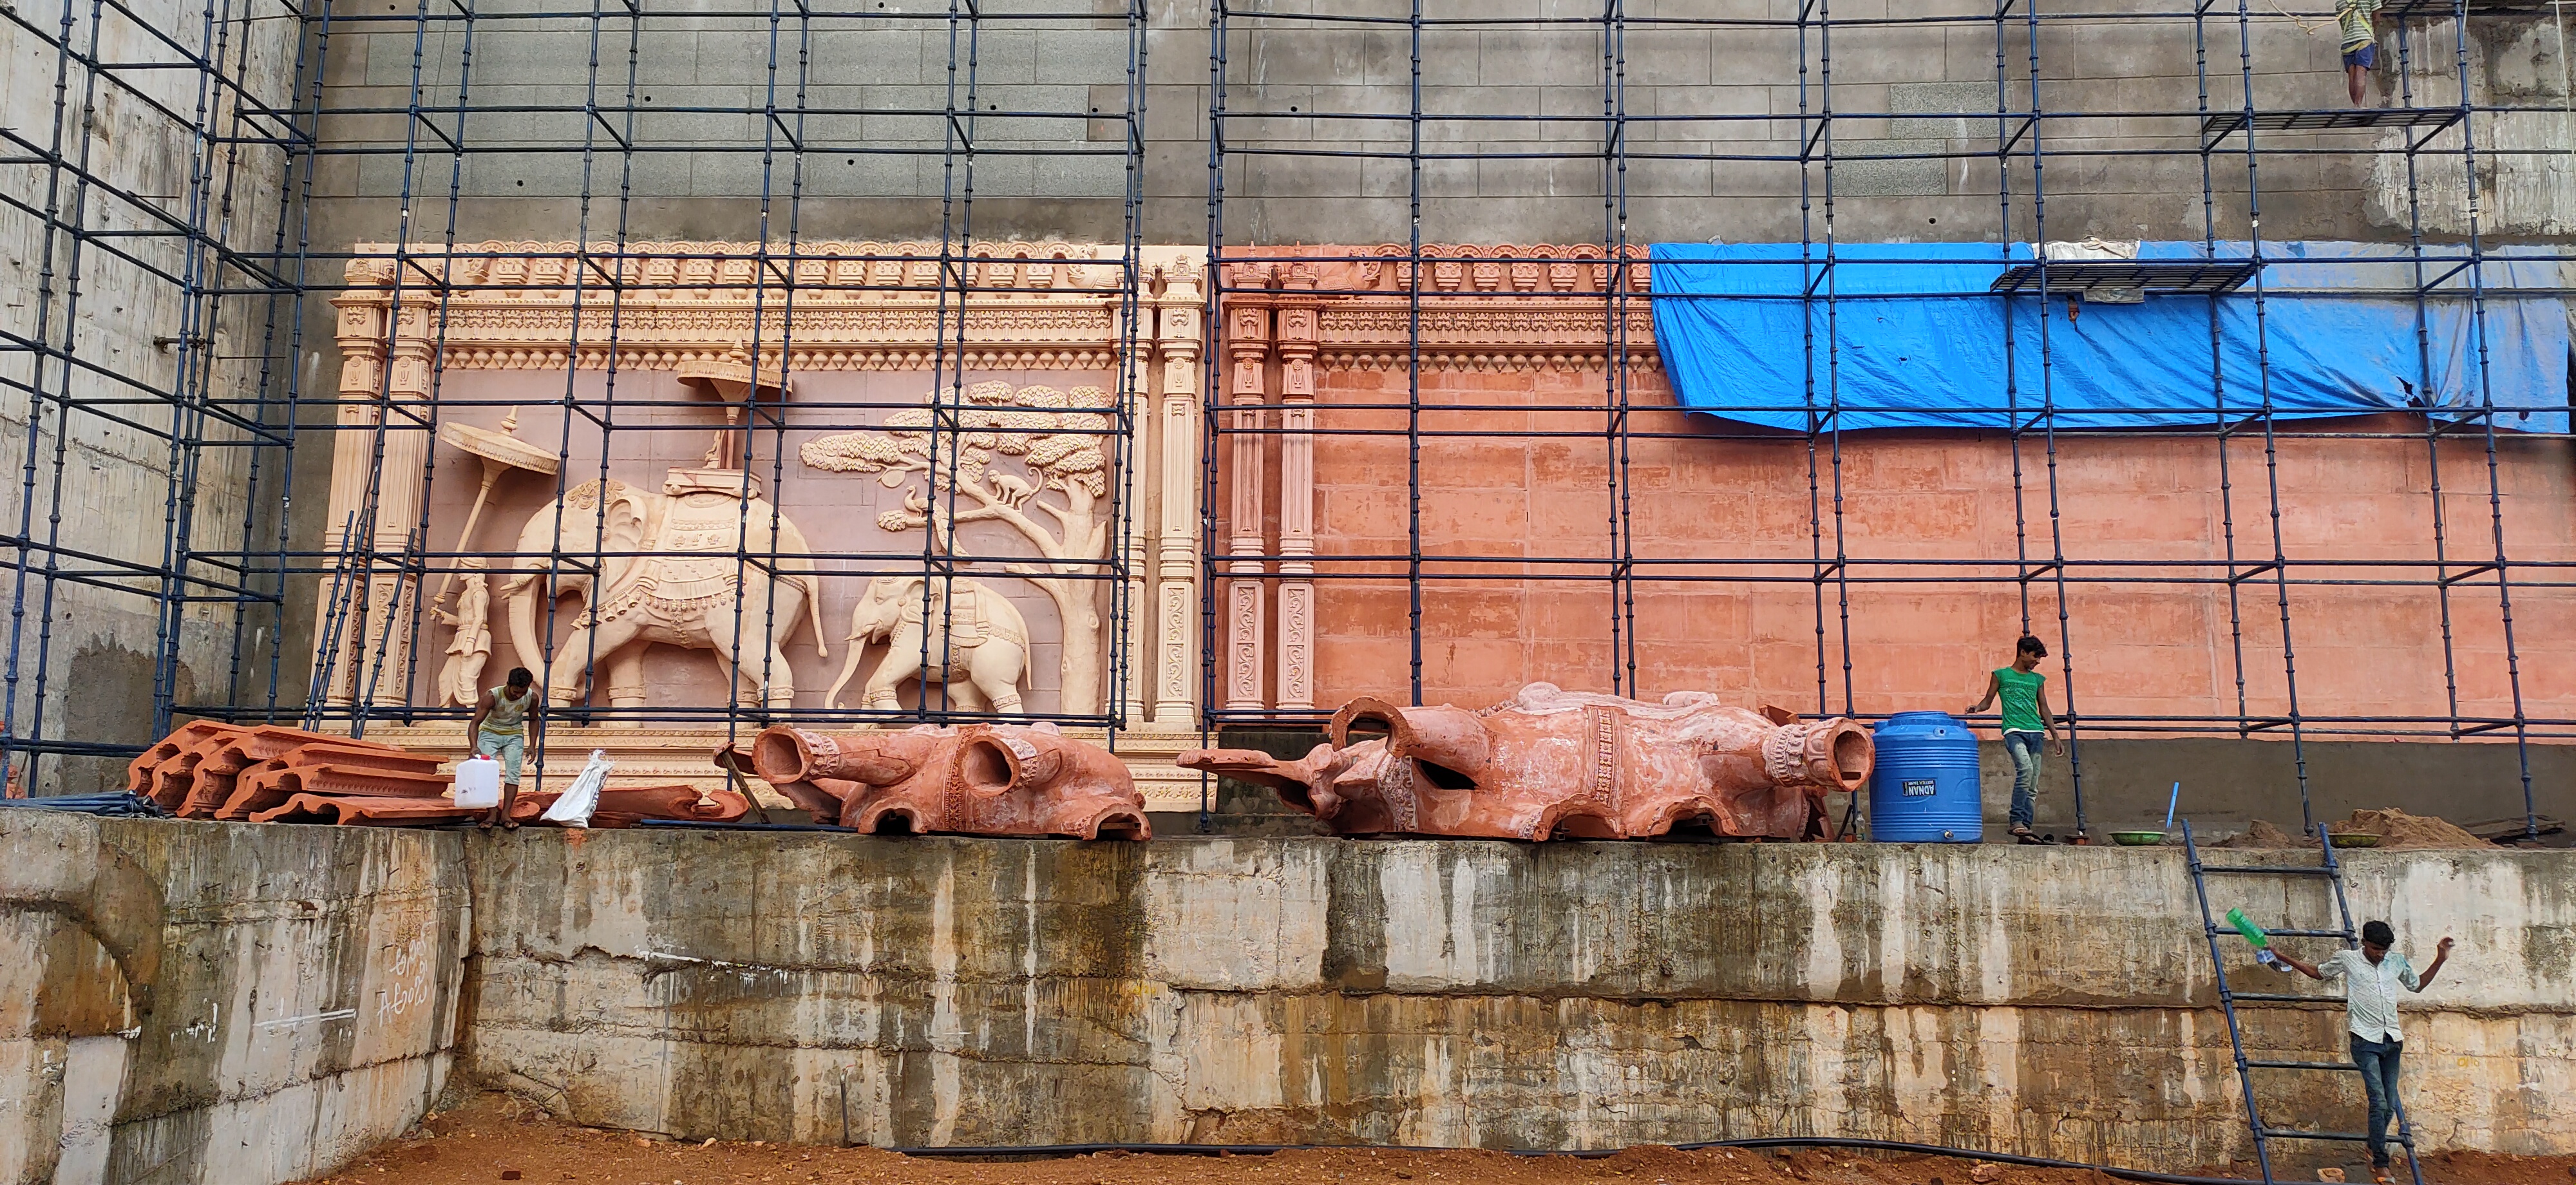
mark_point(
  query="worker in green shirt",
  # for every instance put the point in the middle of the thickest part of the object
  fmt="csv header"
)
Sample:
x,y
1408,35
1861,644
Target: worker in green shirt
x,y
2026,721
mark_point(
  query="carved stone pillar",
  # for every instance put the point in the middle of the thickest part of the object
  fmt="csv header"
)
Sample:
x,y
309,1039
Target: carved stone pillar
x,y
384,664
1299,312
1247,344
1181,309
1136,543
362,337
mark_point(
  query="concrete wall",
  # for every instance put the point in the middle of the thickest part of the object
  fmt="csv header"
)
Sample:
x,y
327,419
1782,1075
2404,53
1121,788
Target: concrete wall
x,y
1048,99
2228,783
224,1004
2038,1000
1715,137
144,158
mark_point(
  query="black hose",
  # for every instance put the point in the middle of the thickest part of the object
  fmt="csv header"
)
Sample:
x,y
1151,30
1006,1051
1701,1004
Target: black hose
x,y
1034,1150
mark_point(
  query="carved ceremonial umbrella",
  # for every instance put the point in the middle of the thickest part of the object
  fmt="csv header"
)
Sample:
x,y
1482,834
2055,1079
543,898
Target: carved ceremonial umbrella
x,y
736,383
500,452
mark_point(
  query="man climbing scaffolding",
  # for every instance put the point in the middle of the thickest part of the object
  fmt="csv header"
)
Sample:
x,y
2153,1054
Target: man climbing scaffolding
x,y
2371,977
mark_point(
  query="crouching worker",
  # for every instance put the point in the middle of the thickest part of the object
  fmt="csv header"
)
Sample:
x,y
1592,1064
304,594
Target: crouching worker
x,y
500,730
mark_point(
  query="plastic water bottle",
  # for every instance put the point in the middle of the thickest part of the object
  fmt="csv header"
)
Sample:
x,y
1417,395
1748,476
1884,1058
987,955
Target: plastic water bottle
x,y
2245,926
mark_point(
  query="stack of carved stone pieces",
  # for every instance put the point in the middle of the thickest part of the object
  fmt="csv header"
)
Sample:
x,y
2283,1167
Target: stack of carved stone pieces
x,y
975,779
1555,764
271,774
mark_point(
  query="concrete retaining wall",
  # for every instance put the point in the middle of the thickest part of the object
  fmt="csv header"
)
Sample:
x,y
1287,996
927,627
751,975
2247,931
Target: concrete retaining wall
x,y
218,1003
200,1002
2037,1000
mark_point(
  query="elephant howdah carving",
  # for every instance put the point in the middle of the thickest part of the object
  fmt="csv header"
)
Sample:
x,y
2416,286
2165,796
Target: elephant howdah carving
x,y
678,583
976,779
978,643
1550,763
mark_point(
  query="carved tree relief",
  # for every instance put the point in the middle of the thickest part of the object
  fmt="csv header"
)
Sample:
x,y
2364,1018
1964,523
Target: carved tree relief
x,y
1056,437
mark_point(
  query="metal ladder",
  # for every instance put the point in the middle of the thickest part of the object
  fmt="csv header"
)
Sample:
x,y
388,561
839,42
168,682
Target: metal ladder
x,y
2228,998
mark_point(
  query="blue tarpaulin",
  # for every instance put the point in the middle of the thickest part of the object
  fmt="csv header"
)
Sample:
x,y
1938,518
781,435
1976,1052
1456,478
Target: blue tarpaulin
x,y
1915,339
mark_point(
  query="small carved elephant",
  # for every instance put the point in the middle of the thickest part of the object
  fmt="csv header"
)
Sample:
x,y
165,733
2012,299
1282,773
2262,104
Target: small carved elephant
x,y
977,644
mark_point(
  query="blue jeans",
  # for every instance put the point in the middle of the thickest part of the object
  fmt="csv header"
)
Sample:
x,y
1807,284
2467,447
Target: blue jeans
x,y
2378,1062
2024,748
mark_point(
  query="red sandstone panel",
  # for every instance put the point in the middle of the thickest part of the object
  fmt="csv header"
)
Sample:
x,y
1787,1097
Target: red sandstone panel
x,y
2149,610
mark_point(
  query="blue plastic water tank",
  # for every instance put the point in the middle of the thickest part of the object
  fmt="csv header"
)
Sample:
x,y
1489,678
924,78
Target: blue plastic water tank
x,y
1924,787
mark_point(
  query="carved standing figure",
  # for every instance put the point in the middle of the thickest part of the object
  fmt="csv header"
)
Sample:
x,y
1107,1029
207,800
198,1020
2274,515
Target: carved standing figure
x,y
978,642
1057,436
460,678
678,583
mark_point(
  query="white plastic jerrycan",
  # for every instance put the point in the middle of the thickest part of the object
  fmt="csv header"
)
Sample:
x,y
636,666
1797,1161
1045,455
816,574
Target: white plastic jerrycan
x,y
478,783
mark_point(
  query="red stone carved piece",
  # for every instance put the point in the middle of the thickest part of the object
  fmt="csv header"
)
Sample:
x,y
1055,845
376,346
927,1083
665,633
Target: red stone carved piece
x,y
374,811
976,779
211,768
255,793
1550,763
142,775
205,770
626,808
617,808
820,799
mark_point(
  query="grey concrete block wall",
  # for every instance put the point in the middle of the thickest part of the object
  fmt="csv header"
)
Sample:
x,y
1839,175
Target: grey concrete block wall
x,y
1717,114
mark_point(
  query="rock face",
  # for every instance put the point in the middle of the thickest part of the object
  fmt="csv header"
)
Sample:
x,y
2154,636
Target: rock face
x,y
1551,763
978,779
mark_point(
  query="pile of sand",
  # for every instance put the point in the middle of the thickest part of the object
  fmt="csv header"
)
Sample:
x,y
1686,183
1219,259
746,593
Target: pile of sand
x,y
2264,835
2395,828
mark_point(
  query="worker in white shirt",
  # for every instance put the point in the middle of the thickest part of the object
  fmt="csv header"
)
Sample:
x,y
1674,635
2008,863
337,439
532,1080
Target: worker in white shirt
x,y
2371,977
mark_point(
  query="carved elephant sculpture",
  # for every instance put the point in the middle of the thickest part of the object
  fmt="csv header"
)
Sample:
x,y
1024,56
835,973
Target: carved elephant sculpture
x,y
978,643
685,588
1550,763
975,779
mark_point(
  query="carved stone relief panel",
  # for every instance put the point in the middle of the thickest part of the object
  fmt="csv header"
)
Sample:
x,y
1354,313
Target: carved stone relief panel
x,y
700,333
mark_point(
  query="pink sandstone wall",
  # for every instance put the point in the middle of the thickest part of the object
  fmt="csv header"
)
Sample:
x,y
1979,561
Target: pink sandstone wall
x,y
1739,613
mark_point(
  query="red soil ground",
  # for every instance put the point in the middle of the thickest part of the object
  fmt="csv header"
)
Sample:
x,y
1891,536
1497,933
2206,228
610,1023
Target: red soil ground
x,y
490,1142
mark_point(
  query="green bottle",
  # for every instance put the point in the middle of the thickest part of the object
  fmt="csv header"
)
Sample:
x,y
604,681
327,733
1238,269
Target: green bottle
x,y
2253,933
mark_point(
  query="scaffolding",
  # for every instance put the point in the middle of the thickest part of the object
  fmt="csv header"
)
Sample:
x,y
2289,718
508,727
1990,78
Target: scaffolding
x,y
469,135
2240,129
413,122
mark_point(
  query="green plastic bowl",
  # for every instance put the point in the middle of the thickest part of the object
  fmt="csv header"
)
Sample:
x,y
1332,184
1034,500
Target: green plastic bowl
x,y
2137,839
2353,839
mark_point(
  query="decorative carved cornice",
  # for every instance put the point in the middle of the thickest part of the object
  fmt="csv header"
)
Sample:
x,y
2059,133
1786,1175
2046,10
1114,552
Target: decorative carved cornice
x,y
833,305
1500,308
